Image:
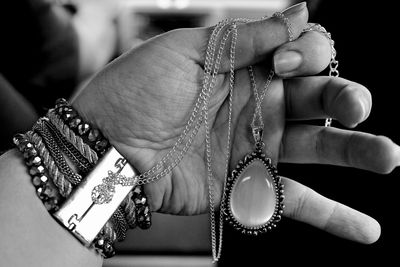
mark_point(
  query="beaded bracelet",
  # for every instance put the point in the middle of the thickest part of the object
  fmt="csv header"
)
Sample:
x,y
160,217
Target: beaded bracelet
x,y
45,189
48,192
90,135
64,133
80,131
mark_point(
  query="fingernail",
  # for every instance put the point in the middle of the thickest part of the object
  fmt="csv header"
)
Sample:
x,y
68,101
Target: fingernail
x,y
286,61
295,8
364,109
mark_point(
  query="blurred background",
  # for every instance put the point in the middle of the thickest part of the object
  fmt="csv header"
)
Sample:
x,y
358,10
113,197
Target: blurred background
x,y
51,48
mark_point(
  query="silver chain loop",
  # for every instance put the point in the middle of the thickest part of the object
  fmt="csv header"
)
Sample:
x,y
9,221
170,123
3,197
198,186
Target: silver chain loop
x,y
333,64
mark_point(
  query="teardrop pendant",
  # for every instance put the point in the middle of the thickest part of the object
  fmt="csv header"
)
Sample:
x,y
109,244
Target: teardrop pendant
x,y
254,202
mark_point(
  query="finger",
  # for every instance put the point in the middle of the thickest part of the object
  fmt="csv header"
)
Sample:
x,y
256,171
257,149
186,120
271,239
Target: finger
x,y
320,97
309,54
305,205
328,145
256,40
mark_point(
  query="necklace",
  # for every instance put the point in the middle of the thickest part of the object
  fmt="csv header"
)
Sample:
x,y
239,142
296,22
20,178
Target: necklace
x,y
254,202
255,162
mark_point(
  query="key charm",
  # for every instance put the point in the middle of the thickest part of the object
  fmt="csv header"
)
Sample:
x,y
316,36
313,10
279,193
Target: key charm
x,y
93,201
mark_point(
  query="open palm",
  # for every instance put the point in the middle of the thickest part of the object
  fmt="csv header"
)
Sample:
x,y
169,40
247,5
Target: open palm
x,y
142,102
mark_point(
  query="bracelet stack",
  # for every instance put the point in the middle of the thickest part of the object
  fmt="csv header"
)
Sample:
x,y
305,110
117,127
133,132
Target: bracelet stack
x,y
59,151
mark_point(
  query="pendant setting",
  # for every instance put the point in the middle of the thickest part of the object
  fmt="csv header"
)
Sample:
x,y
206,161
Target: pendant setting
x,y
254,200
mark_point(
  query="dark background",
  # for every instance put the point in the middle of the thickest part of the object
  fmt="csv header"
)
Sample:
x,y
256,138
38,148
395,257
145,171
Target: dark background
x,y
368,52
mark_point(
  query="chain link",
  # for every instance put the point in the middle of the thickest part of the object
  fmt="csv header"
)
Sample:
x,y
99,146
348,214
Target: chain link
x,y
259,98
200,114
170,160
333,64
217,248
55,152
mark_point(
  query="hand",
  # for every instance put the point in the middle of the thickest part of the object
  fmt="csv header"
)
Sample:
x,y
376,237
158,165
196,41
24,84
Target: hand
x,y
142,101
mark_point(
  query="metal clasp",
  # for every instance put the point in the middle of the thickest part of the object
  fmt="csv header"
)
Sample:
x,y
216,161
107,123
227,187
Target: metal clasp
x,y
88,208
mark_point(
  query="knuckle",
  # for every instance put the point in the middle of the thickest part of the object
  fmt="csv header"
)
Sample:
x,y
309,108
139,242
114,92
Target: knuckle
x,y
320,147
318,50
301,206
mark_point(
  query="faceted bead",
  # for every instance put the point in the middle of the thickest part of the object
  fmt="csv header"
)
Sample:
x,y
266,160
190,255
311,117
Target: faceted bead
x,y
101,145
143,210
36,170
144,222
39,192
28,146
75,122
48,191
48,205
62,110
69,115
140,201
44,179
22,144
30,153
83,128
108,250
253,196
59,110
34,161
36,181
100,242
67,109
93,135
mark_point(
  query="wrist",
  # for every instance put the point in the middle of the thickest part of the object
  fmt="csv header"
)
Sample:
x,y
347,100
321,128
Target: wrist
x,y
25,224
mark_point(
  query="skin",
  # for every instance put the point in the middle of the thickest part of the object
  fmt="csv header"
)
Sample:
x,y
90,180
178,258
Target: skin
x,y
141,102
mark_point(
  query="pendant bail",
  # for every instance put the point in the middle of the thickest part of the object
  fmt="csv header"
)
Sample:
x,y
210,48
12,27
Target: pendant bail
x,y
258,136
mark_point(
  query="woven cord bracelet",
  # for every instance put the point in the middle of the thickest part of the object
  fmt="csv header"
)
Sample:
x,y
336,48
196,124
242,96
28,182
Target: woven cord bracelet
x,y
63,134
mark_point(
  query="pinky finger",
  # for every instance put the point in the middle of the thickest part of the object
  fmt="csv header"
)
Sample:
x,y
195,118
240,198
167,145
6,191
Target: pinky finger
x,y
305,205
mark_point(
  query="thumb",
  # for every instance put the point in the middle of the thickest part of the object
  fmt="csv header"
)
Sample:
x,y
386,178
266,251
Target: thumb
x,y
256,40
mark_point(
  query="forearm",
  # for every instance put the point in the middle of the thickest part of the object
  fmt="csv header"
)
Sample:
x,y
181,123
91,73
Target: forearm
x,y
29,235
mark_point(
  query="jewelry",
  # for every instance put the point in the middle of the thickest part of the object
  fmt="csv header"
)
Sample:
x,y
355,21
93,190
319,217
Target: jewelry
x,y
56,153
58,178
255,192
44,186
232,29
74,139
174,156
287,23
212,63
84,130
333,64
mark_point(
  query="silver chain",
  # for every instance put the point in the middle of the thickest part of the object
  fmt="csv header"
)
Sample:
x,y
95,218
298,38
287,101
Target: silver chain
x,y
200,114
333,64
216,246
216,243
259,98
174,156
212,63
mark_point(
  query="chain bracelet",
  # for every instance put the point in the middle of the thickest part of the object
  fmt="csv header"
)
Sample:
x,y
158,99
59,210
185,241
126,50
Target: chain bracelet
x,y
72,153
54,150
